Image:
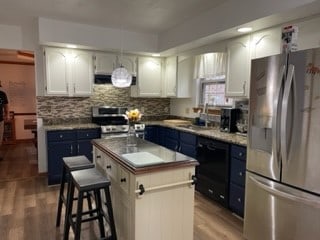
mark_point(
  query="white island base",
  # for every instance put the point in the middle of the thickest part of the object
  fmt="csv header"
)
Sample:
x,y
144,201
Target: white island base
x,y
163,212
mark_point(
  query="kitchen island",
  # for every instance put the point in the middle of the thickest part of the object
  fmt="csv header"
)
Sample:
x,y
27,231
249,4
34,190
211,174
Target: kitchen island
x,y
151,186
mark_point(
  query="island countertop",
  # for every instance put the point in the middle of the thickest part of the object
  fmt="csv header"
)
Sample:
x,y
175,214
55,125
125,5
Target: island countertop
x,y
144,157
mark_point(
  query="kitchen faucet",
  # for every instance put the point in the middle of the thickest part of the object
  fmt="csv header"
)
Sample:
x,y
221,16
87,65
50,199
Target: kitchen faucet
x,y
206,106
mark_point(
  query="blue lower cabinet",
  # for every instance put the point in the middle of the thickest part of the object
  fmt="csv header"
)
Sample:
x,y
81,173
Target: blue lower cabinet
x,y
56,151
237,179
151,134
238,172
236,199
188,144
67,143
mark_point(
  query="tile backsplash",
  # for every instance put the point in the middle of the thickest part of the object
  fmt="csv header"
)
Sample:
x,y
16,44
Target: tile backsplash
x,y
67,108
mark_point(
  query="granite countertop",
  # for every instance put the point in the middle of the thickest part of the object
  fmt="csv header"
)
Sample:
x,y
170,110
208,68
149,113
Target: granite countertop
x,y
144,157
70,126
213,133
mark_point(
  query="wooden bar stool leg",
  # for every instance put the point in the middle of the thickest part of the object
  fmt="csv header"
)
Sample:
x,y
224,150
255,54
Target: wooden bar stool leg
x,y
89,202
110,214
61,194
78,216
69,206
100,212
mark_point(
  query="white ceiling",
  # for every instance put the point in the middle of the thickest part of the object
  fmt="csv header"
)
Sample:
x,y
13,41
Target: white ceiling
x,y
149,16
146,16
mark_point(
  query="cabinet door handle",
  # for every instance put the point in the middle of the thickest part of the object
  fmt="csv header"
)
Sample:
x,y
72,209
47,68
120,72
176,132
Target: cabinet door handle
x,y
210,191
71,149
239,200
78,148
240,154
123,180
98,156
108,167
240,174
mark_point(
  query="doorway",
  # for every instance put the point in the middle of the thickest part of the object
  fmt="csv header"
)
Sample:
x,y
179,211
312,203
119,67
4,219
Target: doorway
x,y
17,80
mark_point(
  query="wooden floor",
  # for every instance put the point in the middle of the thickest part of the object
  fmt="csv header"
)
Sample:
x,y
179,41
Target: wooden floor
x,y
28,205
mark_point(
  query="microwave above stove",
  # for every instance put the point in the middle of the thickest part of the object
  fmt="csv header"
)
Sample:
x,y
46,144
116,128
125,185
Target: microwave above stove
x,y
106,79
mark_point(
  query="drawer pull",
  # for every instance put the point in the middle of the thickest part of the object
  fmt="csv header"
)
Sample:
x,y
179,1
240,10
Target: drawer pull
x,y
61,136
123,180
240,174
240,154
239,200
98,156
210,191
108,166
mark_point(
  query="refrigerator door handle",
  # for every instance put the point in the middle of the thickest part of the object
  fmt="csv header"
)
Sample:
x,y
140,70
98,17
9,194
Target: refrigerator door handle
x,y
275,120
284,113
276,191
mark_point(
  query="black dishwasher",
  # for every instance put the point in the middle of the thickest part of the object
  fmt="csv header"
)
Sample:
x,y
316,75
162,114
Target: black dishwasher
x,y
213,171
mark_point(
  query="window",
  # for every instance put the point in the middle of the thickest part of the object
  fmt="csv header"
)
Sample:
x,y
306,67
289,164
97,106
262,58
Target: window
x,y
213,93
210,71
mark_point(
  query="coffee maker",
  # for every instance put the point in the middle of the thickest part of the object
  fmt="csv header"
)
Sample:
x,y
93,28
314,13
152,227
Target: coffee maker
x,y
228,119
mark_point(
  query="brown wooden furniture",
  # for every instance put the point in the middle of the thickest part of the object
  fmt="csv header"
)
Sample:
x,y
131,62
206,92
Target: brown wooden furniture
x,y
9,134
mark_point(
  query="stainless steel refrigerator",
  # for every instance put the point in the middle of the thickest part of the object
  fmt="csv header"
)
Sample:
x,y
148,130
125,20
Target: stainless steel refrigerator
x,y
282,199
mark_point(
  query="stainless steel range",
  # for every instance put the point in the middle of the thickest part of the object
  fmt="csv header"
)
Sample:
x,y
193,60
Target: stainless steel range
x,y
113,122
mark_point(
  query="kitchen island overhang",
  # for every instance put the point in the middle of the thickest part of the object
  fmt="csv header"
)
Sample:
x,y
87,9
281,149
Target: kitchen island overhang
x,y
150,201
116,148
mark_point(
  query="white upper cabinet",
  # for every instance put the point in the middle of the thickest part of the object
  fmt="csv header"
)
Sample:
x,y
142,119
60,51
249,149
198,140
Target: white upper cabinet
x,y
238,67
105,63
185,76
149,78
129,62
266,43
308,34
170,76
57,71
81,73
178,76
68,72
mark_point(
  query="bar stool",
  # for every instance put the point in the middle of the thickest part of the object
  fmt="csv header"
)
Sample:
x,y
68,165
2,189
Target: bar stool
x,y
84,181
71,164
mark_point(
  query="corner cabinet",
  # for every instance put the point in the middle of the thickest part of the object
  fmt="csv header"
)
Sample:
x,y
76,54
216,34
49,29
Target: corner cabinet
x,y
149,78
68,72
238,67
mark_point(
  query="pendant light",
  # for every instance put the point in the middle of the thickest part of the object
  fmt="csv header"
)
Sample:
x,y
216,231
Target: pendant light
x,y
120,77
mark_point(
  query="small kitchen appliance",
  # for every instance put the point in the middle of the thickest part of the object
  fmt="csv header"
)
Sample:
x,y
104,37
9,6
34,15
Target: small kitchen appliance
x,y
228,119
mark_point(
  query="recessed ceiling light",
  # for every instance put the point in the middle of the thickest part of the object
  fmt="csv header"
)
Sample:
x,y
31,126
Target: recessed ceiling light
x,y
244,29
71,46
156,55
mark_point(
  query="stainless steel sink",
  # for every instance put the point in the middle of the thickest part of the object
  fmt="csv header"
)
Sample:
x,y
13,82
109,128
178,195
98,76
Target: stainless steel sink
x,y
194,127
